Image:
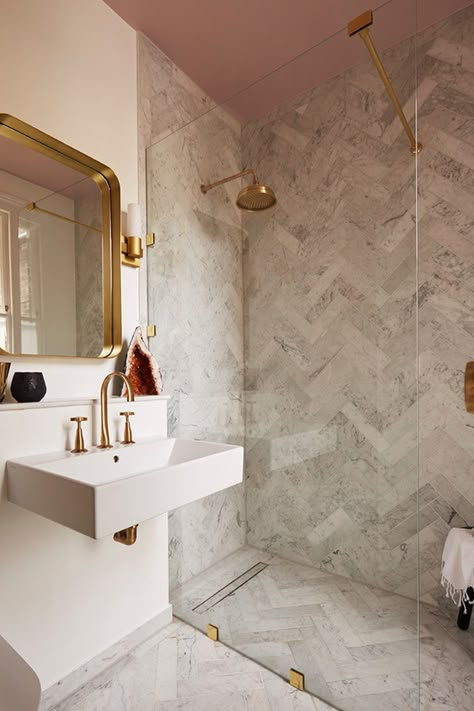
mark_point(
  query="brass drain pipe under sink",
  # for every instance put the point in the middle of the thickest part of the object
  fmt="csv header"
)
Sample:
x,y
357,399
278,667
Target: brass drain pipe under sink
x,y
127,536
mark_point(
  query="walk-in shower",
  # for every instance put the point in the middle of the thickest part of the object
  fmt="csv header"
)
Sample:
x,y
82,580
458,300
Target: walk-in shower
x,y
329,336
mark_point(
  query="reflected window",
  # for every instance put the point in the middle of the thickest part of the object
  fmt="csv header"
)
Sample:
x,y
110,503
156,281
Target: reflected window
x,y
5,292
30,289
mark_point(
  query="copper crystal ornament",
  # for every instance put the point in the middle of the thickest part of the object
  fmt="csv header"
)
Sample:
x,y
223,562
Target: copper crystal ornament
x,y
141,367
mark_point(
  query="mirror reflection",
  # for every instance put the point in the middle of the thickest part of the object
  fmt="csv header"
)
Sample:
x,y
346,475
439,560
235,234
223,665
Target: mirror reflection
x,y
51,300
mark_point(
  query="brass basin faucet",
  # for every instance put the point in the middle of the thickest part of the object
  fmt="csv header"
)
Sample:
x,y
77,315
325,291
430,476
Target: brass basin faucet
x,y
104,406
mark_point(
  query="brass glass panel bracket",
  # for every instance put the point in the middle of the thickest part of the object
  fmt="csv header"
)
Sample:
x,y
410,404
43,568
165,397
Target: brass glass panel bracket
x,y
213,633
296,679
360,26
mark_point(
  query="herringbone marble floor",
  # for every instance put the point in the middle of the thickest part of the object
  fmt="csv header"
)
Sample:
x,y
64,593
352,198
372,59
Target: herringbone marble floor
x,y
179,669
357,645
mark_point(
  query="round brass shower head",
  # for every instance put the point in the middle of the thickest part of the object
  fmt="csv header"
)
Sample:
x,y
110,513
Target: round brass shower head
x,y
256,197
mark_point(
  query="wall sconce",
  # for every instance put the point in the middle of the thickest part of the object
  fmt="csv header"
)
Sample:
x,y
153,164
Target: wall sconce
x,y
131,247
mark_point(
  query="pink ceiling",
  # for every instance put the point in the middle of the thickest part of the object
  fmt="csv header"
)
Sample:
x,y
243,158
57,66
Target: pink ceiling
x,y
227,46
41,170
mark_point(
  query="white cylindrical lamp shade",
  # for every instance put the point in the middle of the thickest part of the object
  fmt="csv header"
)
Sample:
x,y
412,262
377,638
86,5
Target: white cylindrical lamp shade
x,y
133,220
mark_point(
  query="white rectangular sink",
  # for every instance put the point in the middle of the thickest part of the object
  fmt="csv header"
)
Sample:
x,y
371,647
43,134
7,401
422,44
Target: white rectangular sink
x,y
106,490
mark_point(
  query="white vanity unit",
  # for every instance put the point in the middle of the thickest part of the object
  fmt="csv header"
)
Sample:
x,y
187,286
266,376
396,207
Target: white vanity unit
x,y
69,591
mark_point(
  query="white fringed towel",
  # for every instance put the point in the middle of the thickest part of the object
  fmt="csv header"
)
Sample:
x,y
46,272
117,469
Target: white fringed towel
x,y
457,572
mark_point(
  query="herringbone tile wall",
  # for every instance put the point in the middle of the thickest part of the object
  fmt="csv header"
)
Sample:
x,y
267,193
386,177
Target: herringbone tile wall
x,y
195,291
331,298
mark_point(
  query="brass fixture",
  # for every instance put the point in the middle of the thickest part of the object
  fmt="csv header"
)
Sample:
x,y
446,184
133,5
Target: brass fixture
x,y
127,434
151,330
33,206
104,406
79,446
213,633
254,197
360,25
296,679
4,370
469,386
131,247
127,536
131,250
31,138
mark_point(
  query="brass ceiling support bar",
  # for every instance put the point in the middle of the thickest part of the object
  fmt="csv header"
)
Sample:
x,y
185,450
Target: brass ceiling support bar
x,y
33,206
360,25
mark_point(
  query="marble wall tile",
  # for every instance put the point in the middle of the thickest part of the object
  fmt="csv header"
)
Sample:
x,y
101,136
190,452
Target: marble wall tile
x,y
329,309
195,295
89,296
330,318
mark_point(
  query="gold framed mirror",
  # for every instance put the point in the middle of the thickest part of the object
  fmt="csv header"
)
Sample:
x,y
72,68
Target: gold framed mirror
x,y
59,248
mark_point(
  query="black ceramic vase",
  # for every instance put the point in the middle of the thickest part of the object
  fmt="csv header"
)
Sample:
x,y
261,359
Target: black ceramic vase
x,y
28,387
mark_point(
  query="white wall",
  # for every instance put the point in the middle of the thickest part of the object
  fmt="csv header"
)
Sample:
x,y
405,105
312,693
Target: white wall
x,y
69,68
65,597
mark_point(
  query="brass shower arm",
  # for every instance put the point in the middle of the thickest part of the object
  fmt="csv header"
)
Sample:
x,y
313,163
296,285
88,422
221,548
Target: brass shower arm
x,y
360,25
246,171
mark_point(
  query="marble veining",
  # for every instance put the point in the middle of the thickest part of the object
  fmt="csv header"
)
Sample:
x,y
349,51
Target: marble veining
x,y
361,648
330,283
179,669
195,292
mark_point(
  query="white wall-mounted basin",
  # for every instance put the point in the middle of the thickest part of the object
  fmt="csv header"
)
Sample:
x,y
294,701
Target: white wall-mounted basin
x,y
103,491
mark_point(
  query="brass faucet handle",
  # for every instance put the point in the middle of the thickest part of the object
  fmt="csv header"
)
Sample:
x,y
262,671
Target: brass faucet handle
x,y
127,434
79,446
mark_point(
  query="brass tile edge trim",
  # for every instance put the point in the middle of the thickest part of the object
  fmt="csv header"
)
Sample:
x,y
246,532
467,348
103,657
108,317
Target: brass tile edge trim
x,y
213,633
296,679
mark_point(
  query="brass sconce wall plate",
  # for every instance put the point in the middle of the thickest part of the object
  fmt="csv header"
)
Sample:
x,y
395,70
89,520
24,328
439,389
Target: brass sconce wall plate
x,y
131,249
